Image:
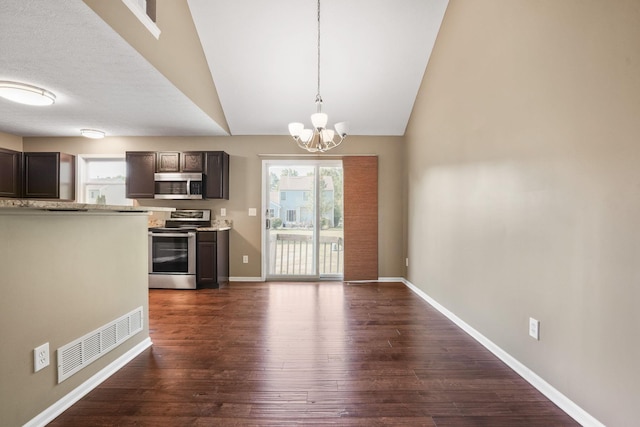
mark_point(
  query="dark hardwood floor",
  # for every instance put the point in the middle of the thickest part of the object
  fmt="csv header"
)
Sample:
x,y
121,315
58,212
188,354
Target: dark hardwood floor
x,y
310,353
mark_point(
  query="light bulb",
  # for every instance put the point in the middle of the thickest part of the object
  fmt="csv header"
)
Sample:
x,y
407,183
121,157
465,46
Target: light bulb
x,y
327,135
342,128
319,120
295,128
306,135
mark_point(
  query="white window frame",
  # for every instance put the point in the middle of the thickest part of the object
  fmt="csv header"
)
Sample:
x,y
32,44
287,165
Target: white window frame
x,y
81,173
136,8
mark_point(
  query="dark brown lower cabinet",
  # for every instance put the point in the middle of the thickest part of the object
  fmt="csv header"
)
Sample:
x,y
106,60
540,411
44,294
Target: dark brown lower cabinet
x,y
212,264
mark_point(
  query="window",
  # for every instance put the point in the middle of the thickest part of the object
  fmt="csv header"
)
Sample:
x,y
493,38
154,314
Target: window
x,y
291,215
283,196
145,11
101,180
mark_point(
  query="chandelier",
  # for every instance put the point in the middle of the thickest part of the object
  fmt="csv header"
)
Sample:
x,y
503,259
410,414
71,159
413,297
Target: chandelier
x,y
319,138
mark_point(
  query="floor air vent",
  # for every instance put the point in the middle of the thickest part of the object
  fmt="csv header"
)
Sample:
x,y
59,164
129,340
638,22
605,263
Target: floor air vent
x,y
81,352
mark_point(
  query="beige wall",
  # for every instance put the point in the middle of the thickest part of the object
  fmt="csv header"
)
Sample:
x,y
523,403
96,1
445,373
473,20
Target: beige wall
x,y
61,277
246,185
523,186
177,54
10,142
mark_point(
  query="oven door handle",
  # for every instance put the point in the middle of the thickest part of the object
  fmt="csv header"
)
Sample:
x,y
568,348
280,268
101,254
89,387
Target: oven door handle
x,y
189,234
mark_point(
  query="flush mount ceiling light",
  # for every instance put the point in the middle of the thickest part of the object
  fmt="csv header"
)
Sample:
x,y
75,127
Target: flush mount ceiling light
x,y
92,133
26,94
318,139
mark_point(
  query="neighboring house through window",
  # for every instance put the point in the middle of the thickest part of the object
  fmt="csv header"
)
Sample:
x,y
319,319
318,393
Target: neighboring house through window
x,y
101,180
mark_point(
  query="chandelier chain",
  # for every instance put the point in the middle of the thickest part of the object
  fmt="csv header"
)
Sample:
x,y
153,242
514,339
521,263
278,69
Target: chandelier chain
x,y
318,97
319,138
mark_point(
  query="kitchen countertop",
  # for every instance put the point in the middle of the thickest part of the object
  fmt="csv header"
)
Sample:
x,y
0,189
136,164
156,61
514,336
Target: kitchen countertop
x,y
56,205
222,228
216,224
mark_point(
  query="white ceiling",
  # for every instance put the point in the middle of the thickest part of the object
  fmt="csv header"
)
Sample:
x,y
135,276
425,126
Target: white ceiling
x,y
100,81
262,57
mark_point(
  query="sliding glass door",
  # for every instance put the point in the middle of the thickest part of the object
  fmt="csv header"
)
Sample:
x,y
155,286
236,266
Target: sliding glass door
x,y
303,235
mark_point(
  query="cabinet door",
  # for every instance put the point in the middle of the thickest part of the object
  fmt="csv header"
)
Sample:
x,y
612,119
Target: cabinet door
x,y
222,255
217,171
141,166
10,172
206,271
42,175
168,162
192,161
67,177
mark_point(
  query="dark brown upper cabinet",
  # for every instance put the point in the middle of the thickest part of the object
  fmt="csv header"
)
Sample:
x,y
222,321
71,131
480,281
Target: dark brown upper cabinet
x,y
168,162
217,171
193,161
10,173
141,165
49,176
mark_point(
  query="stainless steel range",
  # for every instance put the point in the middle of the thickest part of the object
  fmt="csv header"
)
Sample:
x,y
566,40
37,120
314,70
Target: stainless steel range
x,y
172,249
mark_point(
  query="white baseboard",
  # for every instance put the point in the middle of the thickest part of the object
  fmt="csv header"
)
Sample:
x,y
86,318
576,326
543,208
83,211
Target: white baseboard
x,y
563,402
380,279
246,279
79,392
391,280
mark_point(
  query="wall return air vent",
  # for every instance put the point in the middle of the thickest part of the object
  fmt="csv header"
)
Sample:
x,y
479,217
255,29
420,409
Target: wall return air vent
x,y
79,353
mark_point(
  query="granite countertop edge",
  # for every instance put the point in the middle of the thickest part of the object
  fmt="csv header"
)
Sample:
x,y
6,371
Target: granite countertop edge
x,y
56,205
223,228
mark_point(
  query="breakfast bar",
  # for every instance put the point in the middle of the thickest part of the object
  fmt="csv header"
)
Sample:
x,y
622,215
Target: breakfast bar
x,y
66,269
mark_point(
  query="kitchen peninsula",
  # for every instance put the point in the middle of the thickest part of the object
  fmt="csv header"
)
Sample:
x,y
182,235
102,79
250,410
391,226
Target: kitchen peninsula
x,y
66,269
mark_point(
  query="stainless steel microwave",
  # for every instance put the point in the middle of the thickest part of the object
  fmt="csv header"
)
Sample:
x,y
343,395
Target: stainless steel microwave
x,y
179,185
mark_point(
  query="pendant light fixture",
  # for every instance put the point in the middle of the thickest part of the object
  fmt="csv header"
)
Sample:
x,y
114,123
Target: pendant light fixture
x,y
319,138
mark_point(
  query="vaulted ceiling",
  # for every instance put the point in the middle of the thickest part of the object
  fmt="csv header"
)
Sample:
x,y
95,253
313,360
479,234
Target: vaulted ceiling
x,y
262,57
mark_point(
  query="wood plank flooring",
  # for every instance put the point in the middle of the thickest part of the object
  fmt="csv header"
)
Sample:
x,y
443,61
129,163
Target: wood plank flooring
x,y
314,354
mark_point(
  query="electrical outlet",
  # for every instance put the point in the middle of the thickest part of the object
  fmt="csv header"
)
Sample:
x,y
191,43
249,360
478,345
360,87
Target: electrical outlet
x,y
406,262
40,357
245,259
534,328
223,212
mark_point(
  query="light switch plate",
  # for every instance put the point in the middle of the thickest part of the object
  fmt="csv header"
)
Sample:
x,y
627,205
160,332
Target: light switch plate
x,y
534,328
252,212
